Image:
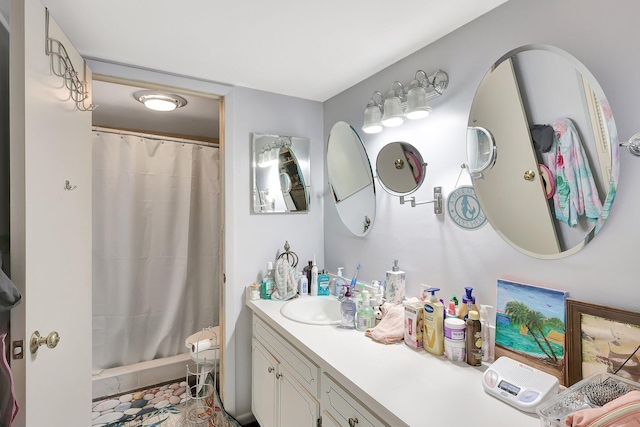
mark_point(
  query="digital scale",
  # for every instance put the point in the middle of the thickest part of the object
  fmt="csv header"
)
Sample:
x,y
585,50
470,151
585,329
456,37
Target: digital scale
x,y
518,384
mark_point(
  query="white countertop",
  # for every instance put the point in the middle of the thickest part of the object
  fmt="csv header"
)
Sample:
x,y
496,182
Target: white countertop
x,y
402,386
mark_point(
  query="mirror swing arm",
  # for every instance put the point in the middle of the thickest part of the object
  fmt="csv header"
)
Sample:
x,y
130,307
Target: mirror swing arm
x,y
633,144
437,201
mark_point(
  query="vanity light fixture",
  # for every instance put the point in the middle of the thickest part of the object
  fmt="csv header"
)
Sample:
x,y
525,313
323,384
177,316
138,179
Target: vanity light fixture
x,y
399,104
159,101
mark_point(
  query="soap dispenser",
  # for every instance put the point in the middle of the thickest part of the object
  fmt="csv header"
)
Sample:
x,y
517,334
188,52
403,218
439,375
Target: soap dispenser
x,y
468,303
394,292
348,310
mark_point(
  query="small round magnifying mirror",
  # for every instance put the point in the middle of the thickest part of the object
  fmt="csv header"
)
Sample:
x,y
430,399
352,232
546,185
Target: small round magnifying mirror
x,y
400,168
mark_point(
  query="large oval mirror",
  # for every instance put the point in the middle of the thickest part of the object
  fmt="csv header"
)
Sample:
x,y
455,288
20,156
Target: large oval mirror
x,y
351,179
400,168
550,183
280,174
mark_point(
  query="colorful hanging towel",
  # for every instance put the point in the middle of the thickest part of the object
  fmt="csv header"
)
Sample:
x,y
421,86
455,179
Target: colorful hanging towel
x,y
576,193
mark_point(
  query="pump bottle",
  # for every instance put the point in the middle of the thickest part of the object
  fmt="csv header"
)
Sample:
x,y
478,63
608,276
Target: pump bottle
x,y
395,286
468,303
433,338
348,310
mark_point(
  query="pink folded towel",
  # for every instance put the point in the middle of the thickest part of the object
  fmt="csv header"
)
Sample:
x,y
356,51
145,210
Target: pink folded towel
x,y
621,412
390,330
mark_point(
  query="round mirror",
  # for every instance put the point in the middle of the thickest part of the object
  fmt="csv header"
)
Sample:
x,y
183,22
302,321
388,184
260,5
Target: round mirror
x,y
547,165
400,168
351,179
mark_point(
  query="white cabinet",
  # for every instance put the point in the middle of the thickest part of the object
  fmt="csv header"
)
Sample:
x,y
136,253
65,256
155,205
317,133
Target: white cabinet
x,y
340,408
284,391
263,389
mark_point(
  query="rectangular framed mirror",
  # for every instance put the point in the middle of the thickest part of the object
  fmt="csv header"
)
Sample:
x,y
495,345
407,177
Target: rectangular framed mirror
x,y
281,173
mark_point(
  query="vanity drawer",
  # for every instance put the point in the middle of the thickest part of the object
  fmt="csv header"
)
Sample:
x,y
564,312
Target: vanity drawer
x,y
344,409
304,370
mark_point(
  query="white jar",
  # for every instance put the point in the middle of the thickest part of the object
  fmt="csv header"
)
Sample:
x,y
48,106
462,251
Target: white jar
x,y
454,350
454,329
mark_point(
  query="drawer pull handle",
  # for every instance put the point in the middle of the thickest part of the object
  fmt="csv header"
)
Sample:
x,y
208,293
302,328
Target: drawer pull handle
x,y
353,422
270,369
278,375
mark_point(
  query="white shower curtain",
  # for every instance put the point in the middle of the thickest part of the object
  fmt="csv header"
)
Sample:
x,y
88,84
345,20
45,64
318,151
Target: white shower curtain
x,y
156,246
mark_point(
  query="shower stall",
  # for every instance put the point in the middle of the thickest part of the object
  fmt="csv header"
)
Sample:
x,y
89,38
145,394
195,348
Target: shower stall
x,y
156,240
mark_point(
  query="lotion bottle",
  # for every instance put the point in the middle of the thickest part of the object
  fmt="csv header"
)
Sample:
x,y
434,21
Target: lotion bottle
x,y
395,286
313,283
433,337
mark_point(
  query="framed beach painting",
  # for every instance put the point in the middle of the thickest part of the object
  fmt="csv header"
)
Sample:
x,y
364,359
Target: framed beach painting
x,y
530,326
602,339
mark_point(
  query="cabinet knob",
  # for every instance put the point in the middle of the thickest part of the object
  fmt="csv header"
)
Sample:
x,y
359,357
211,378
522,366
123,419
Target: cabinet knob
x,y
270,369
278,375
529,175
353,422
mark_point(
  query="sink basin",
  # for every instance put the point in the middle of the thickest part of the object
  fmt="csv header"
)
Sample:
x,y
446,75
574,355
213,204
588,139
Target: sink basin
x,y
313,310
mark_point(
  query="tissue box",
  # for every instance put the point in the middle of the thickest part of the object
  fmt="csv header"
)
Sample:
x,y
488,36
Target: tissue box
x,y
413,326
553,412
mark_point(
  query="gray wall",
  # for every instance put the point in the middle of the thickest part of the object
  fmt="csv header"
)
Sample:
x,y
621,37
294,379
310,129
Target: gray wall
x,y
254,239
432,249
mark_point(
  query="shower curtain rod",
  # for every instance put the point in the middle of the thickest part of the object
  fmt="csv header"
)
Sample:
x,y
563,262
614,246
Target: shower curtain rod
x,y
154,137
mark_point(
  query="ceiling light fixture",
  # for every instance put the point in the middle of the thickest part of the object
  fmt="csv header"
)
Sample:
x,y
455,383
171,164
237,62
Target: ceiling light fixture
x,y
391,110
159,101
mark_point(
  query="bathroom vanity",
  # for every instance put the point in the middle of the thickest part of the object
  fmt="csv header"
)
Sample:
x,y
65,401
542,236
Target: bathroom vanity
x,y
302,373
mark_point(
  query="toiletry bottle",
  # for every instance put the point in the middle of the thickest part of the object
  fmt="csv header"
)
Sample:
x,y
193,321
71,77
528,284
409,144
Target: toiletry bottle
x,y
338,282
268,282
365,318
348,310
313,283
307,271
303,290
485,322
323,283
433,338
394,292
468,303
474,339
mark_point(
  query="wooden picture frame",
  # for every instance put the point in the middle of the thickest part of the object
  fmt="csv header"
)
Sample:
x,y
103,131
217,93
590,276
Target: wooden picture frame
x,y
594,332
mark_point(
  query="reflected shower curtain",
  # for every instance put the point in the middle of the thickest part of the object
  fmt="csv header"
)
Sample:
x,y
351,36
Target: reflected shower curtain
x,y
156,234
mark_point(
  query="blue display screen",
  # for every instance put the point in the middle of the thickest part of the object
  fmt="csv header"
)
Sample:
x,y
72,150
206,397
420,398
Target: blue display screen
x,y
509,388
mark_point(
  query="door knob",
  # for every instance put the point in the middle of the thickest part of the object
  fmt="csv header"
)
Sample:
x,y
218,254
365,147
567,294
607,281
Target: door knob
x,y
50,340
529,175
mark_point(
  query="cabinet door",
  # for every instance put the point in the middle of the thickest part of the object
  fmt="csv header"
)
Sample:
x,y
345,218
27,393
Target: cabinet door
x,y
297,407
344,408
263,385
328,420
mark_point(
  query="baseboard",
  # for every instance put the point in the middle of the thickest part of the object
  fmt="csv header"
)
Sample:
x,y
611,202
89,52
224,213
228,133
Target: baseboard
x,y
245,418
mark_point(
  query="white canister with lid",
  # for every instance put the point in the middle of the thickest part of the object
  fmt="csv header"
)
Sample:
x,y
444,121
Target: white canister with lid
x,y
454,329
455,350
